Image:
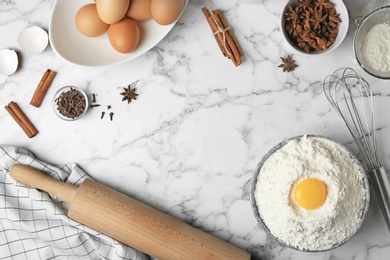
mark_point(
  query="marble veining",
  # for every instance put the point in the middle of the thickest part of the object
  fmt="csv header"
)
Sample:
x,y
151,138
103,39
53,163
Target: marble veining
x,y
190,142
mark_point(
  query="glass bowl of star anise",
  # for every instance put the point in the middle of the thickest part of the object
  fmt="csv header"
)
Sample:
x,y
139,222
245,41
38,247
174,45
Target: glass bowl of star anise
x,y
314,27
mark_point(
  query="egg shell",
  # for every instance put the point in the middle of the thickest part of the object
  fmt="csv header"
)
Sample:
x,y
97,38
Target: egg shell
x,y
88,21
112,11
8,62
33,40
165,12
139,10
124,36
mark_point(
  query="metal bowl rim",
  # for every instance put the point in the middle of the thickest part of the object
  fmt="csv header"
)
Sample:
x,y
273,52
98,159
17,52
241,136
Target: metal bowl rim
x,y
272,151
364,18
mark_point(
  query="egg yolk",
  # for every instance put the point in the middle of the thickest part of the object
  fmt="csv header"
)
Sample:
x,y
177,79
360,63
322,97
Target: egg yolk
x,y
310,193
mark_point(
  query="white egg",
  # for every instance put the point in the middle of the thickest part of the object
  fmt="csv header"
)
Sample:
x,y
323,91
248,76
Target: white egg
x,y
8,62
33,40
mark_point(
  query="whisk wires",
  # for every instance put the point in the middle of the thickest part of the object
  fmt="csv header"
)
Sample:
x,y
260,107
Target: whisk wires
x,y
351,97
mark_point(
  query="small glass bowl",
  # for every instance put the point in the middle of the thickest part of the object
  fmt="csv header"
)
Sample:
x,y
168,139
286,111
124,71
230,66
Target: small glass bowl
x,y
379,16
65,89
343,28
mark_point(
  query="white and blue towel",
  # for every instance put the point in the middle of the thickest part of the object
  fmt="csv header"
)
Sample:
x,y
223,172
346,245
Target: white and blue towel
x,y
34,224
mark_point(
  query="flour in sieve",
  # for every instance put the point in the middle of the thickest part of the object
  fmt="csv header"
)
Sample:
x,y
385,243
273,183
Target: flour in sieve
x,y
332,223
376,47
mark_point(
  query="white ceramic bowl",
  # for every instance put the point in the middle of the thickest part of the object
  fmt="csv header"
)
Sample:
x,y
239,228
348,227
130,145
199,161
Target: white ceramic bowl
x,y
343,28
69,44
255,209
379,16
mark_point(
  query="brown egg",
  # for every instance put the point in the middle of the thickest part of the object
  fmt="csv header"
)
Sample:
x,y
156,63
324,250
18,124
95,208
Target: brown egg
x,y
139,10
124,35
112,11
165,12
88,22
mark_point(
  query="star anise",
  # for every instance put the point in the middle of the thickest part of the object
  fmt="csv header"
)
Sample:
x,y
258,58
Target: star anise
x,y
318,19
292,14
291,30
304,4
322,43
333,16
303,45
288,64
307,35
320,4
129,94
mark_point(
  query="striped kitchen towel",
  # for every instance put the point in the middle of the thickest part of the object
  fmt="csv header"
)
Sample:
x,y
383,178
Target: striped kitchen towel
x,y
34,224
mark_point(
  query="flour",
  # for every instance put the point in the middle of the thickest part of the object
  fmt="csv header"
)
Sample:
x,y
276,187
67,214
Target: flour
x,y
376,47
332,223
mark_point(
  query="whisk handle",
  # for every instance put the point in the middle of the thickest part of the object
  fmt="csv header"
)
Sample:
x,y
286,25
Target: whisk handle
x,y
381,185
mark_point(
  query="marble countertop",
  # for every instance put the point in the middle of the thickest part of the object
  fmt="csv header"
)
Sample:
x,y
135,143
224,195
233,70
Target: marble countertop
x,y
191,141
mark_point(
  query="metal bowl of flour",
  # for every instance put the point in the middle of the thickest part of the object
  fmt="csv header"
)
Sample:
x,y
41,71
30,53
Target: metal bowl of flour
x,y
365,24
259,218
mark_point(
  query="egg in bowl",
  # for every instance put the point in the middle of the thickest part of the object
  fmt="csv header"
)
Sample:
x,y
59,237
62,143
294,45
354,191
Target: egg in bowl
x,y
310,193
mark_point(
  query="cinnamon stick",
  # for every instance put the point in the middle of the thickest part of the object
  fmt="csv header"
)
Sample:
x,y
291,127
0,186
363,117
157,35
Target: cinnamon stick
x,y
22,120
234,54
229,32
214,28
223,35
42,87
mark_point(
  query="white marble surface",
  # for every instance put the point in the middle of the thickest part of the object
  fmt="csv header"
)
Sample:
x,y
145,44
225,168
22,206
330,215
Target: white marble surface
x,y
191,141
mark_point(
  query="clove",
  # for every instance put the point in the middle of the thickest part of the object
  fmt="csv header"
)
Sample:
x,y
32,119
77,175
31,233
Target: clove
x,y
103,113
111,115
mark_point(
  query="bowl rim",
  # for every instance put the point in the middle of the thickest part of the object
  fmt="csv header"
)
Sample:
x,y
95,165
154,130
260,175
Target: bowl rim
x,y
62,89
256,212
359,21
331,48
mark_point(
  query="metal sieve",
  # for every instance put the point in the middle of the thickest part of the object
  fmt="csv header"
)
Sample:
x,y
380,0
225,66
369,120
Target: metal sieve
x,y
379,16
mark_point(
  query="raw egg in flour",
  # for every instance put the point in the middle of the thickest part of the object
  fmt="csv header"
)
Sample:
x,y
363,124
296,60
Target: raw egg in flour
x,y
310,193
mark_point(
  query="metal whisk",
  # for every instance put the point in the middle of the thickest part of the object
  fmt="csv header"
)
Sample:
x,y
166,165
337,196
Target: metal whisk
x,y
351,96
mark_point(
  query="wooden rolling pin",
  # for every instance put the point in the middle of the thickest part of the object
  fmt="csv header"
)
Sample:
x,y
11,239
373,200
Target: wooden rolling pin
x,y
130,221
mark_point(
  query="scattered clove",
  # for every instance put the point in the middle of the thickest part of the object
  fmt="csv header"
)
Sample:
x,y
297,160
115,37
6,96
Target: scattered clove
x,y
94,97
95,105
111,115
103,113
108,107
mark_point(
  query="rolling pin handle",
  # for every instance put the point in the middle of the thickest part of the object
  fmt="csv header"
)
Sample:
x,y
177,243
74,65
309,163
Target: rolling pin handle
x,y
34,178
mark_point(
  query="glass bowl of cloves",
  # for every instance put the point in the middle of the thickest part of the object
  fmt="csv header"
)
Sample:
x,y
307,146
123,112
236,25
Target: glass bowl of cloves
x,y
70,103
314,27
